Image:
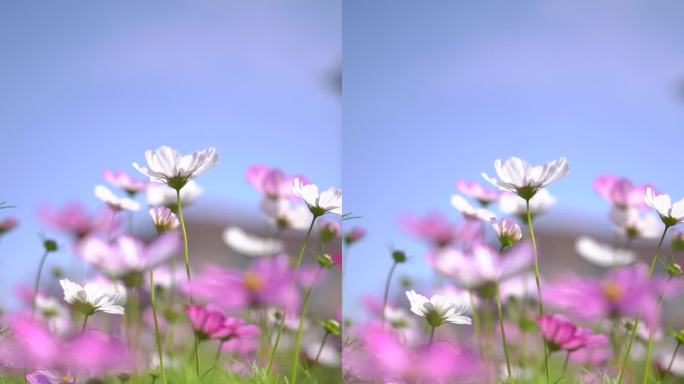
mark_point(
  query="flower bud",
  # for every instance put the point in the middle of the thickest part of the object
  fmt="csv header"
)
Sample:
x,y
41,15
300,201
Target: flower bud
x,y
399,256
332,326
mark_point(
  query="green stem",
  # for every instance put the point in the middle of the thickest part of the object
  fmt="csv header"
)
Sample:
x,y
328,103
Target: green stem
x,y
37,282
85,322
537,280
621,375
218,352
432,336
157,336
298,337
320,349
672,359
565,364
387,287
649,347
302,250
503,331
186,254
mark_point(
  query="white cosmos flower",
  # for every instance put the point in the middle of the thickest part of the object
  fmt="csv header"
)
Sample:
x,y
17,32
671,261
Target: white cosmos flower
x,y
92,297
55,315
161,194
634,224
518,176
671,213
164,219
250,245
168,166
285,215
469,212
319,203
114,202
438,309
603,255
513,204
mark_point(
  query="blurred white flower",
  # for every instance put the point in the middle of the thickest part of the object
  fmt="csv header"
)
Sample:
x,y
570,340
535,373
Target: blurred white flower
x,y
168,166
250,245
115,203
319,203
670,213
92,298
518,176
635,225
161,194
283,214
438,309
522,287
55,315
469,212
603,255
167,277
512,204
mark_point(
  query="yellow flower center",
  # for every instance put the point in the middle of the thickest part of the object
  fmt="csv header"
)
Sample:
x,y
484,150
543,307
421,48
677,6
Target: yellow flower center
x,y
253,282
613,291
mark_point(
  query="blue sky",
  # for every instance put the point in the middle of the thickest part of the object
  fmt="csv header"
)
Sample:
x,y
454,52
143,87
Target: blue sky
x,y
436,93
92,85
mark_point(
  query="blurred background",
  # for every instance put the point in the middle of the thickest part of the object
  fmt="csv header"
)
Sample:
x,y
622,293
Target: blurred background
x,y
433,94
89,86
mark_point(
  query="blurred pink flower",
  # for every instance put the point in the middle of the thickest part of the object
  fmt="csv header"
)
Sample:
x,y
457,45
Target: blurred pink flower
x,y
620,293
620,191
381,356
74,219
127,254
438,231
482,265
266,282
32,346
475,190
125,182
272,182
211,323
562,334
8,224
329,230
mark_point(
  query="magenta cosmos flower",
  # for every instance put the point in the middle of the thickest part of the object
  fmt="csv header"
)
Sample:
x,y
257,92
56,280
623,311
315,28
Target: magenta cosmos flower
x,y
620,293
74,219
210,323
31,345
621,192
272,182
562,334
436,229
383,357
476,191
266,282
353,235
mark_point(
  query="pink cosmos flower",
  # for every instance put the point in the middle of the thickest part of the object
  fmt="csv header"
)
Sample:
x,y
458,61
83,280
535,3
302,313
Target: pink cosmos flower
x,y
353,235
8,224
127,254
438,231
620,293
31,345
272,182
482,265
74,219
383,357
475,190
329,230
621,192
235,334
125,182
266,282
562,334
